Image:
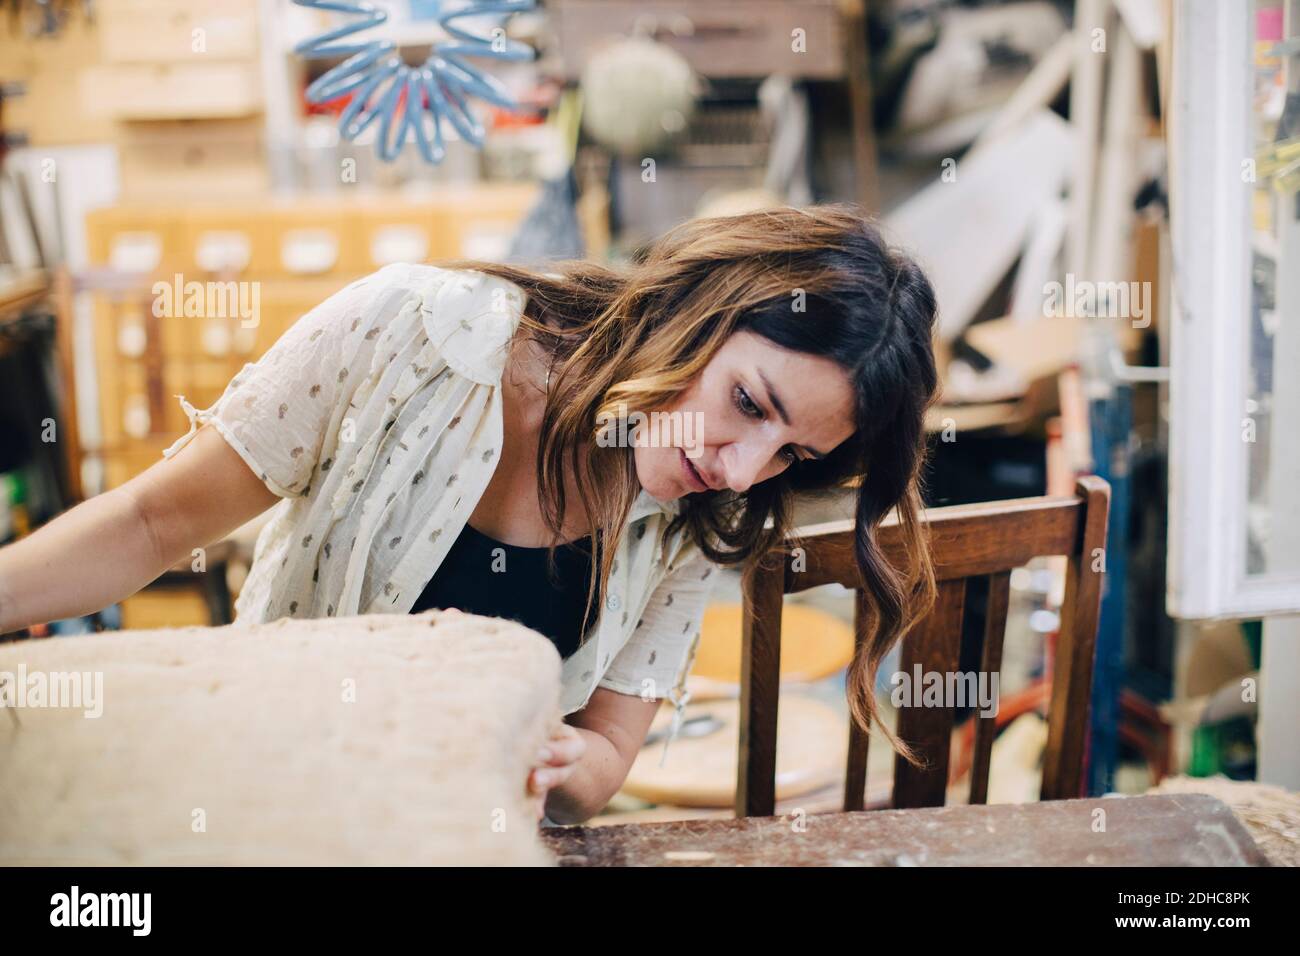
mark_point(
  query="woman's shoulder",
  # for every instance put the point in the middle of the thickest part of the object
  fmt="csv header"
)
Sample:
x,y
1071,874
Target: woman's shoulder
x,y
423,275
452,292
468,316
415,275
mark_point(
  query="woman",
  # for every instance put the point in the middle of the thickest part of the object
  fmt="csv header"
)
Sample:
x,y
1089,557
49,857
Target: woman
x,y
479,411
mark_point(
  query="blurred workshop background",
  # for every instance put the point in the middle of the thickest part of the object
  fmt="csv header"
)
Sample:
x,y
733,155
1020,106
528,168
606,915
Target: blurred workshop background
x,y
1073,188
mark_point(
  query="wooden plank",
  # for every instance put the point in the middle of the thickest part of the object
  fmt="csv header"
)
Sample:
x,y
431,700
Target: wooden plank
x,y
1040,87
969,418
935,646
862,125
760,684
966,540
968,232
1076,430
1067,718
1144,19
23,288
1085,117
1110,257
1035,349
995,626
1178,830
66,317
855,774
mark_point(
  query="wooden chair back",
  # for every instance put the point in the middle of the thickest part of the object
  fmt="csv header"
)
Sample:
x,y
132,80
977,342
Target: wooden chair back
x,y
967,541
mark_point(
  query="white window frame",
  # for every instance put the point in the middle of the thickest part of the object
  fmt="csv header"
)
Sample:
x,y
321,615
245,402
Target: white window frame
x,y
1210,128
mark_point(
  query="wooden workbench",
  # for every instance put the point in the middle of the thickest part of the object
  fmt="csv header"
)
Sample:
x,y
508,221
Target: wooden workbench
x,y
1176,830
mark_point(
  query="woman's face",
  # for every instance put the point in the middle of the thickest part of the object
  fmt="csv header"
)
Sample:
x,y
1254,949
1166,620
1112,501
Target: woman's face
x,y
729,424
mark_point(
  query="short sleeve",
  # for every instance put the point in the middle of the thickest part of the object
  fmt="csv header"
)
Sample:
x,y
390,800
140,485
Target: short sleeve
x,y
659,654
275,412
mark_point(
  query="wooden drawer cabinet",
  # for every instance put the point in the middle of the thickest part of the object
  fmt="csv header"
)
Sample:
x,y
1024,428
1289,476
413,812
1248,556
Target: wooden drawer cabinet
x,y
162,31
194,89
294,253
219,241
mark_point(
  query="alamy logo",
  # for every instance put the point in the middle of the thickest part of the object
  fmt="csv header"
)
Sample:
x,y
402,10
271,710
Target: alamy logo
x,y
208,300
624,429
102,909
1082,298
946,689
56,689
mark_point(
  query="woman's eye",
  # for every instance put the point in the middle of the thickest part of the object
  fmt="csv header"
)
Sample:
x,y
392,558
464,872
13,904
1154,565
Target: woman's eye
x,y
747,407
745,404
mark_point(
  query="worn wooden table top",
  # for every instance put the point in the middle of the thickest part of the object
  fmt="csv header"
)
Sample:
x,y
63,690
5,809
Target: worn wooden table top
x,y
1175,830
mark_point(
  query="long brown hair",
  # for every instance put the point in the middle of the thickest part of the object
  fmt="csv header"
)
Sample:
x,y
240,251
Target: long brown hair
x,y
820,280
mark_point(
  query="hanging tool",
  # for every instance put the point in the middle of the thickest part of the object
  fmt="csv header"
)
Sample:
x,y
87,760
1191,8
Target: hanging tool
x,y
385,88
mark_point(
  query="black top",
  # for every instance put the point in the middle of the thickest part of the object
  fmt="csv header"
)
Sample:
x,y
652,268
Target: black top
x,y
472,579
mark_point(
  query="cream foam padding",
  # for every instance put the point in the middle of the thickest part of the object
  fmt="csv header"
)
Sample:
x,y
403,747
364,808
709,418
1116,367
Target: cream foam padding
x,y
248,731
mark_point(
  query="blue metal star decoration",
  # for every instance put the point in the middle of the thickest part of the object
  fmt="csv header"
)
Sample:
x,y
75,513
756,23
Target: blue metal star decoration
x,y
387,89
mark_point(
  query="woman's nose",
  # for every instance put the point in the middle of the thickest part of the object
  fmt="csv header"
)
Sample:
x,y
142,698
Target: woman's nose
x,y
743,464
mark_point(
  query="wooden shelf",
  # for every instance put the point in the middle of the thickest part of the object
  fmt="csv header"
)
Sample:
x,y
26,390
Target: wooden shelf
x,y
21,289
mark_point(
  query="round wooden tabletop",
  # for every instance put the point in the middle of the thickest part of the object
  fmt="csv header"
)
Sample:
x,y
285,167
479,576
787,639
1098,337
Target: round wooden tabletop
x,y
814,644
812,741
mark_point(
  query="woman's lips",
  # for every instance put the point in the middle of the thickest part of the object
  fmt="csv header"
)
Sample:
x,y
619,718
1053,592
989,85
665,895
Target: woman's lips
x,y
693,478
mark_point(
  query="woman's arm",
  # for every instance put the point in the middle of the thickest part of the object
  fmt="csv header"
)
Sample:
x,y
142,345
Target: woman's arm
x,y
108,547
274,414
614,727
655,659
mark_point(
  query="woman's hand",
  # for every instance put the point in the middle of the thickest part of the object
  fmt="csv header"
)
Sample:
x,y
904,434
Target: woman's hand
x,y
556,762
